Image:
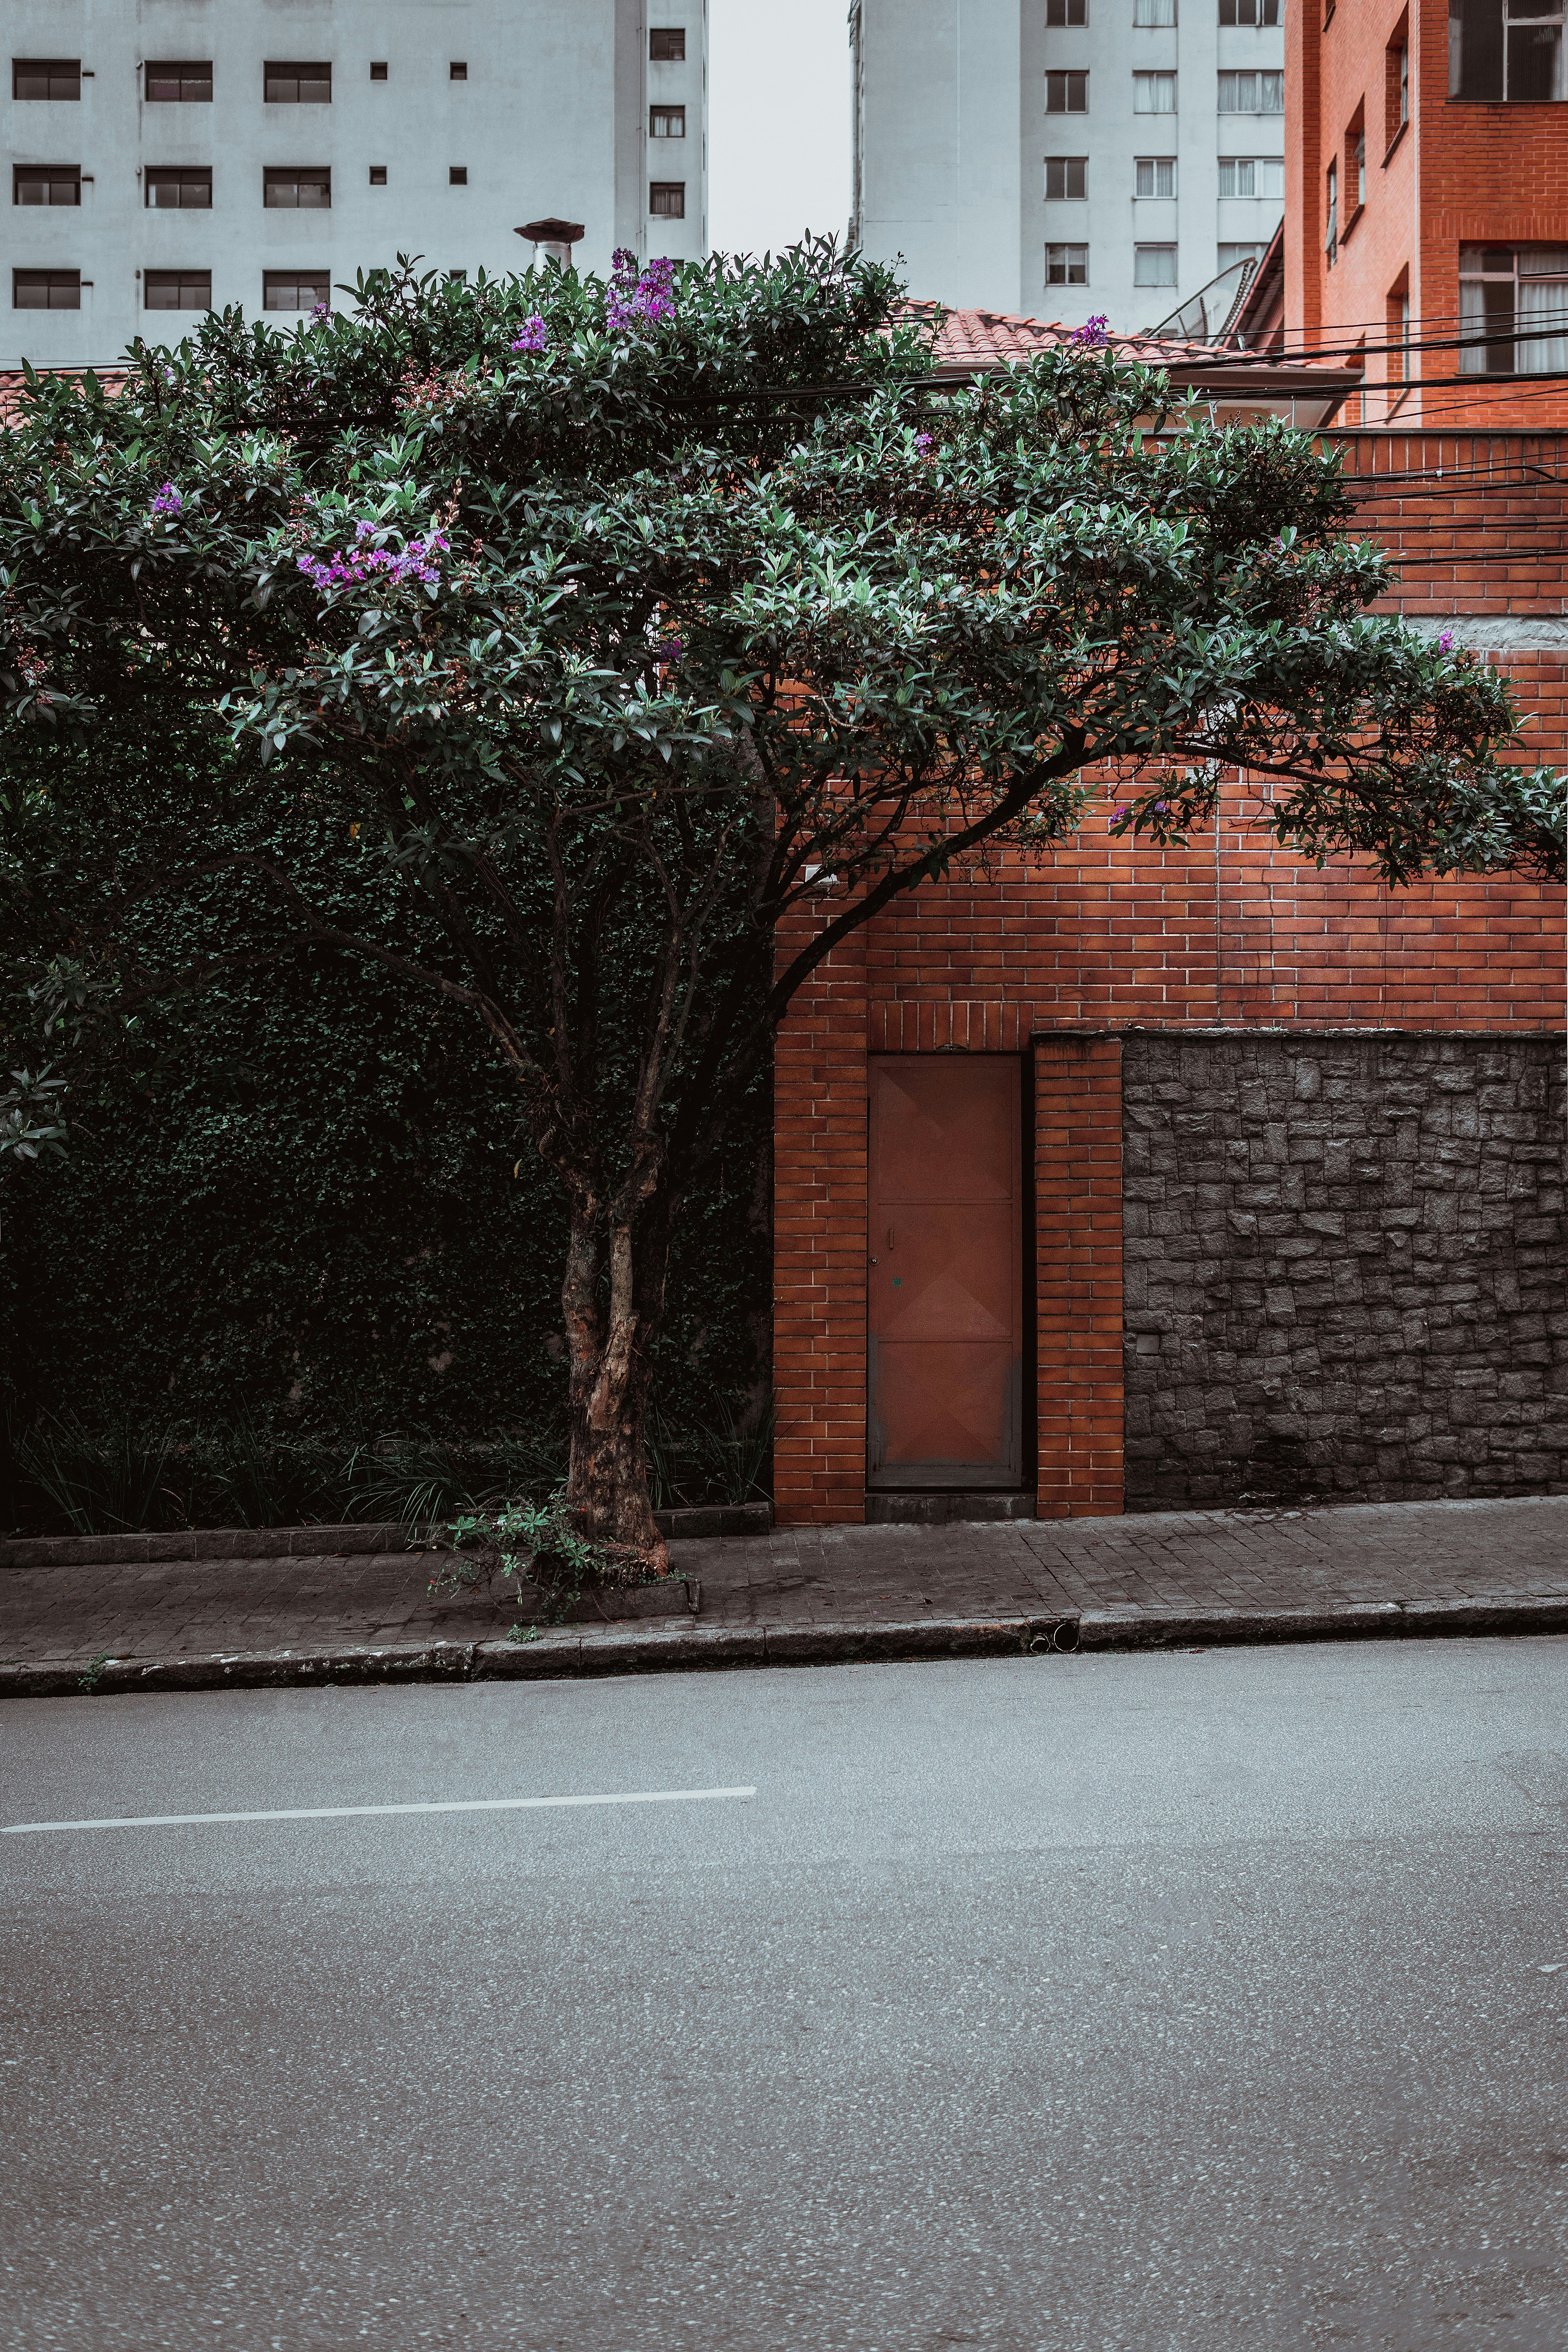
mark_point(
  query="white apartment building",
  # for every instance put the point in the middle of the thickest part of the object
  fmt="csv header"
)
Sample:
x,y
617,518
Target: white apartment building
x,y
170,155
1067,159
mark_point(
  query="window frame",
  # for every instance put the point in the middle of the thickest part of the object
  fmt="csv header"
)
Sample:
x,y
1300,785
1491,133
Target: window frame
x,y
162,175
178,277
1159,78
1266,18
52,69
1067,249
1155,193
69,278
667,188
53,175
1257,75
1255,194
278,175
272,279
1072,82
1471,353
675,54
1060,15
671,112
1141,24
182,70
1163,245
1066,164
296,69
1511,14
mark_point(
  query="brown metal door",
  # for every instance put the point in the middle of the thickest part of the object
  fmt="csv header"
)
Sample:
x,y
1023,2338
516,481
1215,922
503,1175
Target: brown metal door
x,y
944,1282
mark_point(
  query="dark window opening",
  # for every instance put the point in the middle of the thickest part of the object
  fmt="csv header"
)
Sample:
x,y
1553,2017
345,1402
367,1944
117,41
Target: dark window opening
x,y
286,84
188,189
1066,178
1507,51
1513,309
1067,12
177,289
46,289
666,122
295,290
378,69
46,183
297,187
1249,12
667,199
1067,265
458,175
179,82
458,71
666,44
45,78
1066,93
378,175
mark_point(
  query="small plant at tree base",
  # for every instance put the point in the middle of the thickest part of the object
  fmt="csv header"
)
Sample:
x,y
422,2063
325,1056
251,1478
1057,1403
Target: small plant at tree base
x,y
538,1543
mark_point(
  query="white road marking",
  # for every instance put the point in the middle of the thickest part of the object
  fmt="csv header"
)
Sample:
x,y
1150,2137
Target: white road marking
x,y
343,1813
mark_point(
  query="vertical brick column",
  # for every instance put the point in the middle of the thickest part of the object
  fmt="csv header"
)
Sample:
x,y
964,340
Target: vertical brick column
x,y
819,1246
1078,1274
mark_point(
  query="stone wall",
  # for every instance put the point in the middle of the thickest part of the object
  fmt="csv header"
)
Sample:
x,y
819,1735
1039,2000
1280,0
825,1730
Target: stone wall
x,y
1346,1267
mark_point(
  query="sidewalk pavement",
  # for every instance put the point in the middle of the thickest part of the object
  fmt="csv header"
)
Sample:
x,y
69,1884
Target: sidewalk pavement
x,y
811,1595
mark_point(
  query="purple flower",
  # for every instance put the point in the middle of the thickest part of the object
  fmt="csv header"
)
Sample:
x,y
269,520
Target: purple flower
x,y
321,310
167,504
635,301
668,650
924,441
1092,334
533,336
1446,641
354,567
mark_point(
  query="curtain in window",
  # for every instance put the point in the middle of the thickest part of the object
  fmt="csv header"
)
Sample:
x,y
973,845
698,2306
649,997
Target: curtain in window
x,y
1541,303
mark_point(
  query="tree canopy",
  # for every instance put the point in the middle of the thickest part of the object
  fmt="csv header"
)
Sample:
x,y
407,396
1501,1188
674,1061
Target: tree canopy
x,y
612,619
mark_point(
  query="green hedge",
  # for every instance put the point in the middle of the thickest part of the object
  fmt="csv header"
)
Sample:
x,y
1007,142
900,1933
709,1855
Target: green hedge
x,y
306,1197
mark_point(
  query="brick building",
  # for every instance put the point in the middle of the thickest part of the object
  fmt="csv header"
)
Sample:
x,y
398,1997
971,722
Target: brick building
x,y
1427,205
1218,1176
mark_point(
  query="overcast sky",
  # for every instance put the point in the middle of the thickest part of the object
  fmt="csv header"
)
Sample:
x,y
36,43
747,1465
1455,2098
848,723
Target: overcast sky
x,y
778,122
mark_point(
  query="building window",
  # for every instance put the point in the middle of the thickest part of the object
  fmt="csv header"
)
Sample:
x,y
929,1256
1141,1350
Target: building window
x,y
45,78
458,71
457,277
1518,300
46,289
1398,334
1154,12
667,199
1252,93
1153,93
458,175
296,85
1358,162
177,81
177,289
1066,178
378,69
1252,175
666,122
295,290
1331,233
1249,12
187,189
1396,83
1067,265
1229,255
1066,93
297,187
46,183
378,175
1155,175
1154,264
666,44
1506,49
1067,12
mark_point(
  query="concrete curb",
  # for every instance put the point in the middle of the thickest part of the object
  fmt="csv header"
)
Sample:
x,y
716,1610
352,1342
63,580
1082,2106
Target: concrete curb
x,y
645,1647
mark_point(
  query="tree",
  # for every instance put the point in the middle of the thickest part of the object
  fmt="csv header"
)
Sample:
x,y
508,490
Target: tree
x,y
618,621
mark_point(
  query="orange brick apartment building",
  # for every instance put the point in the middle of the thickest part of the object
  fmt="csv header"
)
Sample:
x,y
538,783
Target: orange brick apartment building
x,y
1203,1176
1427,205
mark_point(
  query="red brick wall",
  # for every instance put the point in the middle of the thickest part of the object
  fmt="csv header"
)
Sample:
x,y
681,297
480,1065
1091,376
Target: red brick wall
x,y
1230,932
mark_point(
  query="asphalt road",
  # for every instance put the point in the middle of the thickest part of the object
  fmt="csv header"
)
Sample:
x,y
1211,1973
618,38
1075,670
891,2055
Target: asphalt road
x,y
1190,2001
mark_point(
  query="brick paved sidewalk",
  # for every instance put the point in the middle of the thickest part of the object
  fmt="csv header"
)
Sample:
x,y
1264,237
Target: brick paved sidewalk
x,y
829,1581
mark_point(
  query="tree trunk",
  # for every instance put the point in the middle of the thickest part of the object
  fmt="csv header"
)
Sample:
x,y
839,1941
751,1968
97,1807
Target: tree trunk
x,y
614,1301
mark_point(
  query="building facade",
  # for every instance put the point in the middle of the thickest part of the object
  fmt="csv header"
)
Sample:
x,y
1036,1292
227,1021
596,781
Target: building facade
x,y
1067,159
1149,1179
170,155
1427,218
